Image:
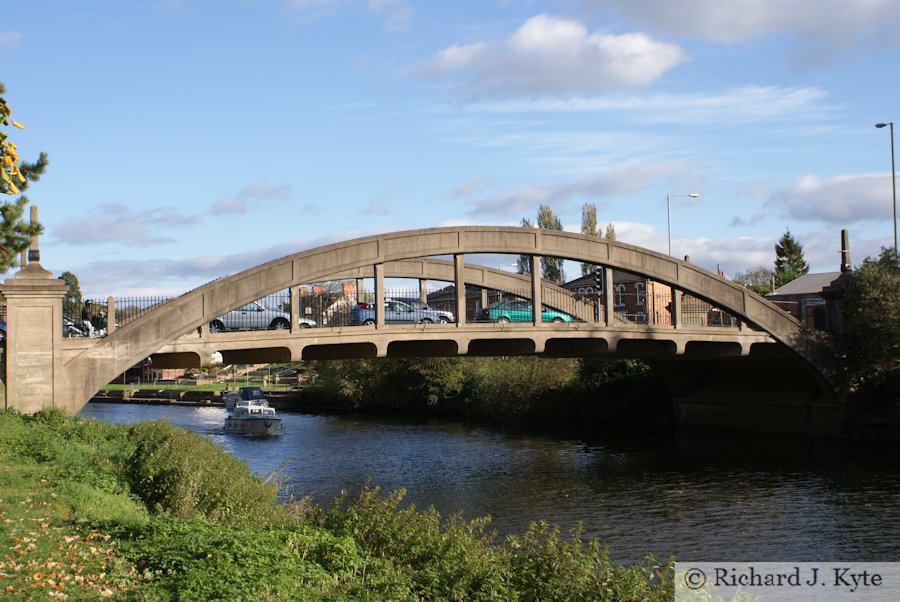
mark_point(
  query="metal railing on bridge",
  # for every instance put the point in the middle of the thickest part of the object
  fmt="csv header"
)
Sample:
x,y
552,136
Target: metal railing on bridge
x,y
329,307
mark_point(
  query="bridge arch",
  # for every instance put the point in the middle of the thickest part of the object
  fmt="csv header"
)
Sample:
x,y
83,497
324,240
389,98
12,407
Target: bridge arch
x,y
95,366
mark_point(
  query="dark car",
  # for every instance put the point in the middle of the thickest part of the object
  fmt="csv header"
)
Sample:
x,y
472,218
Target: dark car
x,y
2,332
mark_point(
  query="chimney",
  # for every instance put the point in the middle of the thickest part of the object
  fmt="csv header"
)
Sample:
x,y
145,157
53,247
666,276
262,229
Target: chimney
x,y
845,252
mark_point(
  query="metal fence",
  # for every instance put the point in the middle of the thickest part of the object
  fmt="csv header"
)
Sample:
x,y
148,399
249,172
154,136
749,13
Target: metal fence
x,y
334,306
88,317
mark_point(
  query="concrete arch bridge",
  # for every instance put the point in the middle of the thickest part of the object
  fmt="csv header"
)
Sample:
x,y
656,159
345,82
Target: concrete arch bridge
x,y
766,373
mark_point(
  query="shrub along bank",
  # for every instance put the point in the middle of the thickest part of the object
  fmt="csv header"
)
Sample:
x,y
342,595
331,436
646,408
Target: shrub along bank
x,y
151,512
587,393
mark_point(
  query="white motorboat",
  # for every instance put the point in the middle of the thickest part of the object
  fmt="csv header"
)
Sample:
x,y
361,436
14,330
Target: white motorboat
x,y
253,417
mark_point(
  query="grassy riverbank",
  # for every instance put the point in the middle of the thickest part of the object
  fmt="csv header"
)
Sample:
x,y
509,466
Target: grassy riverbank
x,y
150,512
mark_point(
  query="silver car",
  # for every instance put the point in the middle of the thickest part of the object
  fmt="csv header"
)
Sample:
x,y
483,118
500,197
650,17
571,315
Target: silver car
x,y
255,316
398,312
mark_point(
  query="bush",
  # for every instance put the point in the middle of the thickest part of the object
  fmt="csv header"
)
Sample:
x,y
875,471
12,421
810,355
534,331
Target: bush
x,y
193,559
433,559
545,567
182,473
870,340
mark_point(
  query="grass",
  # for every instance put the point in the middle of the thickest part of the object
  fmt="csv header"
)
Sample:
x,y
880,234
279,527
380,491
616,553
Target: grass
x,y
90,511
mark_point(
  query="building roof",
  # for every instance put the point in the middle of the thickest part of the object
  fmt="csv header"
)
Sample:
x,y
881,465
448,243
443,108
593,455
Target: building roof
x,y
808,284
618,276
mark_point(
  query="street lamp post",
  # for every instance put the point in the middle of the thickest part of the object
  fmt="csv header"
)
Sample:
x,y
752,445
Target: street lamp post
x,y
692,195
893,178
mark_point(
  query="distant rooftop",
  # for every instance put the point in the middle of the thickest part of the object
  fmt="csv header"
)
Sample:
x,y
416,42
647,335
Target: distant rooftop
x,y
806,284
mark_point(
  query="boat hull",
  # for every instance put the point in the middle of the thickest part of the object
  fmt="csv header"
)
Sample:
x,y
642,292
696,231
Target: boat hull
x,y
258,426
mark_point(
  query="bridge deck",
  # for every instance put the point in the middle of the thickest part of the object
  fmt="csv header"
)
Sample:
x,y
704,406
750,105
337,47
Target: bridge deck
x,y
552,340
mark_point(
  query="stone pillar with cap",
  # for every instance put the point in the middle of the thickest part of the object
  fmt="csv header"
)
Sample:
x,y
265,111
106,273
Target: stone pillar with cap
x,y
34,300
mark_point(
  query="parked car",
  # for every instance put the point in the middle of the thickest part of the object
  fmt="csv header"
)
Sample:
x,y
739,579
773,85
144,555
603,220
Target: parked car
x,y
398,312
2,332
520,311
255,316
413,302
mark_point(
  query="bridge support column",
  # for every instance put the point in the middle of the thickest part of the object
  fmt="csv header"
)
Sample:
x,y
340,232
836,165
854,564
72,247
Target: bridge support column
x,y
676,308
379,295
608,292
34,374
294,301
110,315
536,300
360,294
459,283
423,290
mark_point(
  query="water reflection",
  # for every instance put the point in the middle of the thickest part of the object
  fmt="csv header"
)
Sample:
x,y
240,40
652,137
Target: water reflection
x,y
699,496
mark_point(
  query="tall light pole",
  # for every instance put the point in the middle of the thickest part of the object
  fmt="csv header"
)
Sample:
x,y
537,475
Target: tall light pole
x,y
893,178
692,195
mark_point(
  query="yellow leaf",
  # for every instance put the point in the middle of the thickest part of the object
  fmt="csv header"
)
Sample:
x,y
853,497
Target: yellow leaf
x,y
13,189
18,125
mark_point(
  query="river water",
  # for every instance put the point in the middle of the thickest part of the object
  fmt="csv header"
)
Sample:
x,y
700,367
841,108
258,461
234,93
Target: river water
x,y
700,497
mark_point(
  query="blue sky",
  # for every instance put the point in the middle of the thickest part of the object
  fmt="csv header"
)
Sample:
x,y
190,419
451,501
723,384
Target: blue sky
x,y
191,139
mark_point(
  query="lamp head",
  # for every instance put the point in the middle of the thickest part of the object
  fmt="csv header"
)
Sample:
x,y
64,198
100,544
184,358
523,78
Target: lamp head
x,y
694,195
881,125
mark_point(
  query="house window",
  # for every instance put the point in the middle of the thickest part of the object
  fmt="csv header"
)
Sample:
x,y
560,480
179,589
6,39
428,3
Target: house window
x,y
619,294
639,291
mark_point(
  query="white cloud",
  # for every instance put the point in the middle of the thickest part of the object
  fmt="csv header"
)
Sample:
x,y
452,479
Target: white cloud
x,y
840,200
114,222
551,56
239,203
525,201
821,27
742,104
10,39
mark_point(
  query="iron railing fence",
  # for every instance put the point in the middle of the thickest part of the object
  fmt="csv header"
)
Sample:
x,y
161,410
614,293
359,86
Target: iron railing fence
x,y
329,307
89,316
697,312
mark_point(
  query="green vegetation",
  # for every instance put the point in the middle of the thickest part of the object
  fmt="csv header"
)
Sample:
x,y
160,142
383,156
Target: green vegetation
x,y
150,512
870,342
589,393
72,301
15,175
789,261
758,279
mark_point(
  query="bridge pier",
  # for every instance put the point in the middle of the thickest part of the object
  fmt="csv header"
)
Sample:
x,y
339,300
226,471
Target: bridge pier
x,y
34,375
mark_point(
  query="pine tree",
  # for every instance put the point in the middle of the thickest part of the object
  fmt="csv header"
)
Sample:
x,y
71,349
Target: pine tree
x,y
15,175
589,228
789,261
551,267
